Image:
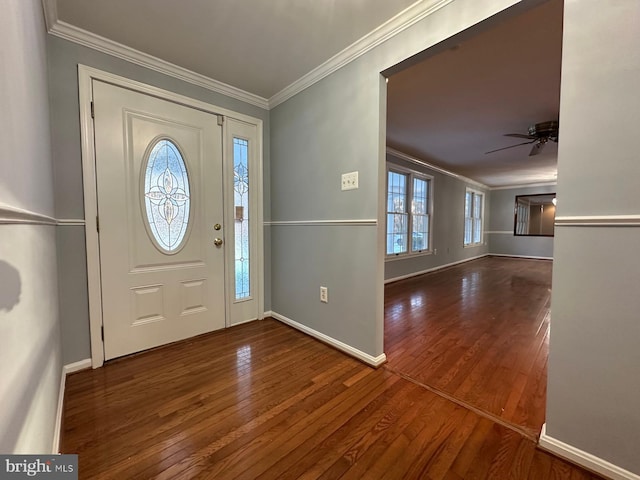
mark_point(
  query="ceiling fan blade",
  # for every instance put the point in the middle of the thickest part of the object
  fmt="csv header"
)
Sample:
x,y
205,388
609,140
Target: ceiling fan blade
x,y
520,135
537,148
511,146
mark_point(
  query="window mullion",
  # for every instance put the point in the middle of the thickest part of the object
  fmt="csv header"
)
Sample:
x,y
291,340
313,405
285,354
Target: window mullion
x,y
410,212
474,199
415,214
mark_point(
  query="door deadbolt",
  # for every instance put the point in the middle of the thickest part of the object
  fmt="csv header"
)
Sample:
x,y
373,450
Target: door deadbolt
x,y
217,226
217,242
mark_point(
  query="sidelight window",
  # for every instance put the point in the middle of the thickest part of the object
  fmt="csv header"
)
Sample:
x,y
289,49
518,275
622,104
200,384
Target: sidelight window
x,y
241,213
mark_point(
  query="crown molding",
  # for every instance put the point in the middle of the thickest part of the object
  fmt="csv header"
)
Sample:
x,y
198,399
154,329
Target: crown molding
x,y
392,27
403,20
403,156
50,8
77,35
525,185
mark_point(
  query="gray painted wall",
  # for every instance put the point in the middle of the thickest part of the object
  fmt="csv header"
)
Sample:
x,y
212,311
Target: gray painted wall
x,y
29,329
592,396
594,364
337,126
307,159
447,225
63,91
500,235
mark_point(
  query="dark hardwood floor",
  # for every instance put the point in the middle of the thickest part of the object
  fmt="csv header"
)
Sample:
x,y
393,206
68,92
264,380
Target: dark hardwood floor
x,y
264,401
477,333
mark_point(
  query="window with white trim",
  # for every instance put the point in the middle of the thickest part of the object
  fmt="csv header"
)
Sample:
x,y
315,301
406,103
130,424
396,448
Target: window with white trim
x,y
473,213
408,212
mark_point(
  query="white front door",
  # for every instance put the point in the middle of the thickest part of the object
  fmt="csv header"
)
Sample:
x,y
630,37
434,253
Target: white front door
x,y
159,191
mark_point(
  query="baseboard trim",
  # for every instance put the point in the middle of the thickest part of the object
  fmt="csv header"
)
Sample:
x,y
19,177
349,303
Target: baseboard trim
x,y
433,269
66,370
528,257
77,366
57,429
348,349
584,459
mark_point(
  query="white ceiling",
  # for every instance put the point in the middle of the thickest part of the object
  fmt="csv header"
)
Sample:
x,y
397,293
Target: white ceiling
x,y
448,110
260,46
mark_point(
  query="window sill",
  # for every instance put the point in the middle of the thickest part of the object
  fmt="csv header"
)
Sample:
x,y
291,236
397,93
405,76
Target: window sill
x,y
472,245
402,256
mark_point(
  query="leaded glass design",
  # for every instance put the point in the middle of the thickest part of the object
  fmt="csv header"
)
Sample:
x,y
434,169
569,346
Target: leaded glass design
x,y
166,192
241,231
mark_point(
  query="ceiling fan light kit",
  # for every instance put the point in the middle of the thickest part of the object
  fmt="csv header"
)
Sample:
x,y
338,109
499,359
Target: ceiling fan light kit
x,y
539,135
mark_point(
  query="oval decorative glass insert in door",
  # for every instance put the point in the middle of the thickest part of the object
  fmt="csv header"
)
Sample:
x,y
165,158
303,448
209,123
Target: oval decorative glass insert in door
x,y
167,195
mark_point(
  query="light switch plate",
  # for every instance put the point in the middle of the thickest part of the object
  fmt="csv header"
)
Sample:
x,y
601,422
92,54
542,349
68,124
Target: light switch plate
x,y
324,294
350,181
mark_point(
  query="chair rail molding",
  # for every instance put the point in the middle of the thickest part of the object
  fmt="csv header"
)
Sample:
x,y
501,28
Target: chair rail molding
x,y
364,222
19,216
598,221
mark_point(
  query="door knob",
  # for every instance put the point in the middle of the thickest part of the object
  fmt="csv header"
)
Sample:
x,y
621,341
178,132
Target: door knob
x,y
217,242
217,226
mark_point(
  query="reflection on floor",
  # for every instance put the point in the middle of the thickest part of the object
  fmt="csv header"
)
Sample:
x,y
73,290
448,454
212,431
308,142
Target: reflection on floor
x,y
478,334
262,400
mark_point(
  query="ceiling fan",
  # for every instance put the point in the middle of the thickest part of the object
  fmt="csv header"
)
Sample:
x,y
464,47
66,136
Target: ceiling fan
x,y
539,135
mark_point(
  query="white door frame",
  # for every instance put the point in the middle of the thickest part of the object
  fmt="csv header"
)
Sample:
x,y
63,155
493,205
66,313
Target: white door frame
x,y
85,77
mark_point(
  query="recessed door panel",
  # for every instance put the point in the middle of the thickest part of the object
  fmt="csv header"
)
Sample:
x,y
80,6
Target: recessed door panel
x,y
159,183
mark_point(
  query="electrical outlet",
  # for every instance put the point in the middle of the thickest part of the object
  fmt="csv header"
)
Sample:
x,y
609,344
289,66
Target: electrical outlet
x,y
324,294
350,181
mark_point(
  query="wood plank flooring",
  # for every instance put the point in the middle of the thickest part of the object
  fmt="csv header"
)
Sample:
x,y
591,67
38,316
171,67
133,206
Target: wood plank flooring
x,y
264,401
478,333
